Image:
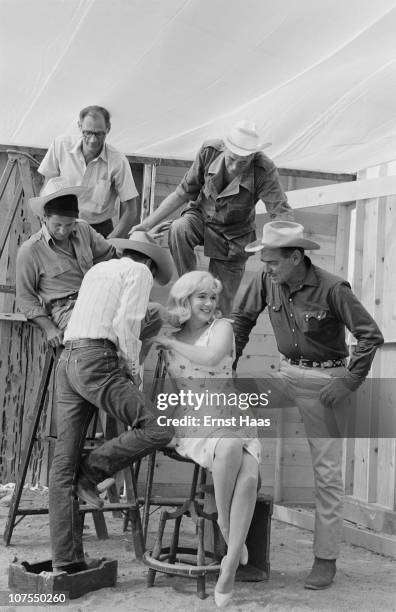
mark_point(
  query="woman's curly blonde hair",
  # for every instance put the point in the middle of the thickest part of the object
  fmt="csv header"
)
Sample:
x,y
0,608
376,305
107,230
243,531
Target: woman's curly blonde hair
x,y
179,308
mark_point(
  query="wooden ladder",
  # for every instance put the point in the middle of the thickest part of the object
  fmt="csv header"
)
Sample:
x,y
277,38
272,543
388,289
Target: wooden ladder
x,y
130,508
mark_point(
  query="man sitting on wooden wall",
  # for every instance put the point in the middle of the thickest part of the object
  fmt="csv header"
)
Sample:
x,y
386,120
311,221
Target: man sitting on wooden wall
x,y
51,264
222,188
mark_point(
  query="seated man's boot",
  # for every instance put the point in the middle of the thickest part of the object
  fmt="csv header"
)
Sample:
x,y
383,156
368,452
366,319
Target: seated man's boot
x,y
322,574
88,493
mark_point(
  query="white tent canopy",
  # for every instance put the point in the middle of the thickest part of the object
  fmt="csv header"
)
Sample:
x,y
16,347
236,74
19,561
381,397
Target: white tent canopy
x,y
318,77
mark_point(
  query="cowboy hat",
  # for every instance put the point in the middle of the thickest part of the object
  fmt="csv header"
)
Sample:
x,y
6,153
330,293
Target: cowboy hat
x,y
55,188
144,243
243,139
277,234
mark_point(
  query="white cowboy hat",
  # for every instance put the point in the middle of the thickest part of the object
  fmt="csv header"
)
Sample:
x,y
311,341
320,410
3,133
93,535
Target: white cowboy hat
x,y
144,243
243,139
277,234
55,188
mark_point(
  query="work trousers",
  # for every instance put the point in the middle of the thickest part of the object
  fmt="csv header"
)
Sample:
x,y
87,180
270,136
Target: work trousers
x,y
89,377
325,428
185,234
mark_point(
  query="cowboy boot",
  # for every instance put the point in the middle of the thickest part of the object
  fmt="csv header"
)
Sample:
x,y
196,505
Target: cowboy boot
x,y
322,574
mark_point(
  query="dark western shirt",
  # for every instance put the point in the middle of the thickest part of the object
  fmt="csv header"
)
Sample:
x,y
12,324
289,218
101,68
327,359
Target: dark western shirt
x,y
309,321
44,272
229,212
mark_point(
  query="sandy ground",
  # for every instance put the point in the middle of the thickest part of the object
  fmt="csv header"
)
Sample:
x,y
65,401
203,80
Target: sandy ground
x,y
365,581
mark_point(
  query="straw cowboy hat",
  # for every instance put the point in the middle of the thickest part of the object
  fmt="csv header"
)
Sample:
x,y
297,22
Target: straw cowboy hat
x,y
55,188
277,234
243,139
144,243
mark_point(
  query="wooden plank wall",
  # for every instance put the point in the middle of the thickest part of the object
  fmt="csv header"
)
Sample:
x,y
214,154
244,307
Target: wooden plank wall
x,y
373,491
22,350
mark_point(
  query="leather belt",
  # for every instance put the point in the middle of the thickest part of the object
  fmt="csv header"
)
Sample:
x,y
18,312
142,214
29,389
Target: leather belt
x,y
307,363
64,300
82,342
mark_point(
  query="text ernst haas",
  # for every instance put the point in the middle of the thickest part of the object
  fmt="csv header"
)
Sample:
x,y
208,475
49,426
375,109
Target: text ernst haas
x,y
209,421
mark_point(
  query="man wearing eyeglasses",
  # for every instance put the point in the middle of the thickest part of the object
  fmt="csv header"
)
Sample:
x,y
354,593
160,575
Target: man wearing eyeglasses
x,y
100,168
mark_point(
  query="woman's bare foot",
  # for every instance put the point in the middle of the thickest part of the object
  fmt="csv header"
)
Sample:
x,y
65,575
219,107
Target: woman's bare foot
x,y
225,582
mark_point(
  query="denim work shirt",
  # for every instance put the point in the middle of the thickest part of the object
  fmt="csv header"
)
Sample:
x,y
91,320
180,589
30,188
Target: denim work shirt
x,y
309,321
44,273
229,212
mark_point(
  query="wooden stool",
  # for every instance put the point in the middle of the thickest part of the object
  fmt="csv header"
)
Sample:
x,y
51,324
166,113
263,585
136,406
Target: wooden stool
x,y
176,559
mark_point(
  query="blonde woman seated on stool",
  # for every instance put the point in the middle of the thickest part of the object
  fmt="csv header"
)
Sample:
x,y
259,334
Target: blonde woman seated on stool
x,y
200,351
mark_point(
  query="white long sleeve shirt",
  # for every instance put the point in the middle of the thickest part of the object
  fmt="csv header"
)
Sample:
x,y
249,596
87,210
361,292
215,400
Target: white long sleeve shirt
x,y
111,304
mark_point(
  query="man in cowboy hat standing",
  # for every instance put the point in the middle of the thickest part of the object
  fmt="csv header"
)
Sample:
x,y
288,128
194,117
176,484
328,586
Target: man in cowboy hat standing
x,y
51,264
103,171
309,309
96,370
222,187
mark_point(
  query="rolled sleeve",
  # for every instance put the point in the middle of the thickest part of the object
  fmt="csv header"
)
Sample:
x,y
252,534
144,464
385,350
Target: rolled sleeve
x,y
270,191
27,276
49,166
101,249
123,181
245,315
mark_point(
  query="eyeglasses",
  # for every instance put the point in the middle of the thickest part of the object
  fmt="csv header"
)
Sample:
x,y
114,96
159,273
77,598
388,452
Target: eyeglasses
x,y
89,134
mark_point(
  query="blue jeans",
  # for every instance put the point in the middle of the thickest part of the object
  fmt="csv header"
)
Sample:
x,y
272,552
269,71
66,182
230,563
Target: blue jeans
x,y
88,377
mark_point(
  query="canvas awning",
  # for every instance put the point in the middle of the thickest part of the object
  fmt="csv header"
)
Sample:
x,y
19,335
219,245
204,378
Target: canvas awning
x,y
319,78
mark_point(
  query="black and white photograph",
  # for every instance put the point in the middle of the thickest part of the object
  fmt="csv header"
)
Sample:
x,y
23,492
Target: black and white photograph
x,y
198,305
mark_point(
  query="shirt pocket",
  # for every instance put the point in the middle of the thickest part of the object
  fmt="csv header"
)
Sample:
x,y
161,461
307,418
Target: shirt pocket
x,y
315,322
275,315
100,195
56,269
237,214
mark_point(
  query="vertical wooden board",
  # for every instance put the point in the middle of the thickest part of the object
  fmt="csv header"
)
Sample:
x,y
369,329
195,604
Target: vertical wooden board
x,y
146,191
365,464
386,492
20,372
10,416
6,203
360,465
342,240
389,295
367,260
13,372
386,402
348,463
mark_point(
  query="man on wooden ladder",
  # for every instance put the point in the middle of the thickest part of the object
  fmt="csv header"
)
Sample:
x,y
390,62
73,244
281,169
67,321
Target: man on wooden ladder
x,y
51,264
